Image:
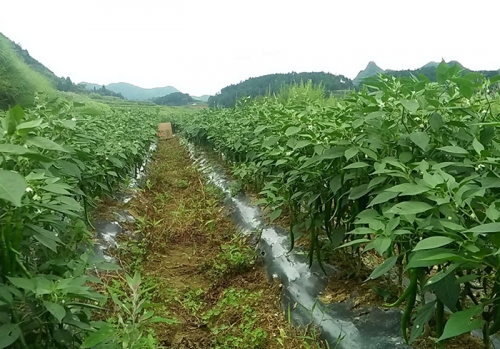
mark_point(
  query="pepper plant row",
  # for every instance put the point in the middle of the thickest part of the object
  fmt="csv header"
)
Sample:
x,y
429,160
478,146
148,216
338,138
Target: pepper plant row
x,y
407,167
54,161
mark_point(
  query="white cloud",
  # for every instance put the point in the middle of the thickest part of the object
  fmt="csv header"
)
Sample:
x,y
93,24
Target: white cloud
x,y
200,46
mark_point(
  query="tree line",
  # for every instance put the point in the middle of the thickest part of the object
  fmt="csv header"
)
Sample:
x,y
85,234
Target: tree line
x,y
272,84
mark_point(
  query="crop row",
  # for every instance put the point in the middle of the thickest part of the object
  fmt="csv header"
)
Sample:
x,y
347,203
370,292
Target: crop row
x,y
406,168
54,162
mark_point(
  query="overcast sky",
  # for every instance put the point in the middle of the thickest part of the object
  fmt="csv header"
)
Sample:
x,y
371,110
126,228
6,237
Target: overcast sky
x,y
200,46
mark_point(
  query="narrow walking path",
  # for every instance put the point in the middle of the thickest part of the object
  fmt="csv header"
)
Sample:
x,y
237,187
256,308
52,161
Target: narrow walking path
x,y
197,268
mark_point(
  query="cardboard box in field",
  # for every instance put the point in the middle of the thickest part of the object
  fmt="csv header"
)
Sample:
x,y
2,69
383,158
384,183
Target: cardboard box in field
x,y
165,130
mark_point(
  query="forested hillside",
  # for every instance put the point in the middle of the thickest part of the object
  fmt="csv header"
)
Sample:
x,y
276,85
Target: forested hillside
x,y
133,92
271,84
21,76
428,70
174,99
18,80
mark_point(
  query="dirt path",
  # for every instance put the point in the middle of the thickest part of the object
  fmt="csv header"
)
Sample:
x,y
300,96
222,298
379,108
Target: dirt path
x,y
200,270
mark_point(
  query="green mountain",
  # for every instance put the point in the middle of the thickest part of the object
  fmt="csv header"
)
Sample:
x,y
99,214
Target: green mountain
x,y
272,83
203,98
429,70
133,92
21,76
371,69
431,64
174,99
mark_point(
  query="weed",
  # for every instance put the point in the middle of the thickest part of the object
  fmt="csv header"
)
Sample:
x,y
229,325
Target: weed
x,y
235,187
215,192
132,252
130,329
235,257
192,301
233,321
181,184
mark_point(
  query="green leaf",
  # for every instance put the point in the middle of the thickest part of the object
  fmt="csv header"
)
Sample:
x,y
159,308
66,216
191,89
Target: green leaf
x,y
410,105
157,319
462,322
384,268
270,141
382,197
45,143
47,233
69,124
410,207
292,130
454,150
405,157
9,333
432,180
436,121
478,147
302,144
104,334
356,165
275,214
57,188
485,229
69,168
376,181
486,135
12,187
492,213
281,162
428,258
442,72
115,161
351,152
434,279
359,191
421,139
63,337
433,242
370,153
408,189
451,225
12,119
336,183
56,310
381,244
259,129
354,242
29,124
23,283
14,149
424,315
47,242
70,203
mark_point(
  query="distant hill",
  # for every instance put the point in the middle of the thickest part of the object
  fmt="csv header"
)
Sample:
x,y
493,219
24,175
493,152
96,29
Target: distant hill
x,y
371,69
21,76
272,83
133,92
174,99
429,70
203,98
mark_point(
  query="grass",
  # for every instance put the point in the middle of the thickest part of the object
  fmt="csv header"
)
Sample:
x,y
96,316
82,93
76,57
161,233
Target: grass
x,y
18,82
197,268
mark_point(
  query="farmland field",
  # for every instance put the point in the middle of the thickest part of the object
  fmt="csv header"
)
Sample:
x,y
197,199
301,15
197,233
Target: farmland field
x,y
404,173
395,185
